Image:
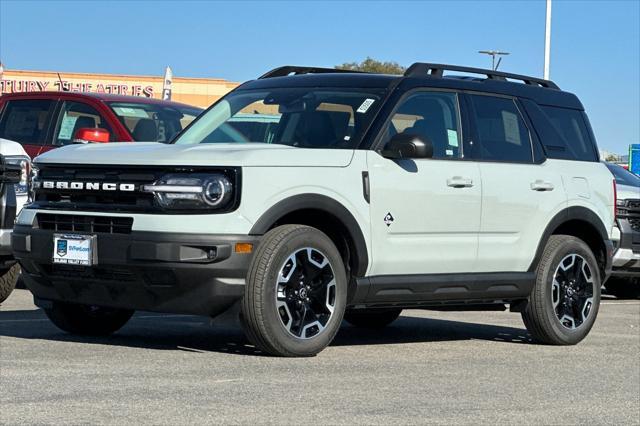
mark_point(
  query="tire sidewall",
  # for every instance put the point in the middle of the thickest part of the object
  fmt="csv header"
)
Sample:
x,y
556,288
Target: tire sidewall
x,y
317,240
545,278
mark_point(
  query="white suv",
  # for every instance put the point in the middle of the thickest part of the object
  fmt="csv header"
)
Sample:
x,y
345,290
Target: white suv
x,y
14,180
366,194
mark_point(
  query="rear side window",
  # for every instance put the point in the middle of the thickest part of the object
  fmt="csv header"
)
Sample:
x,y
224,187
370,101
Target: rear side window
x,y
502,134
25,121
573,142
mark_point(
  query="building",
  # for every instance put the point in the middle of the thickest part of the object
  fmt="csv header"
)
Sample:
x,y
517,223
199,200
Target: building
x,y
200,92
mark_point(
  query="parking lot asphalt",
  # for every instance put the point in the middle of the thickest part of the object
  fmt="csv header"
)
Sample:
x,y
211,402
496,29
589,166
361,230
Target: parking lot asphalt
x,y
427,367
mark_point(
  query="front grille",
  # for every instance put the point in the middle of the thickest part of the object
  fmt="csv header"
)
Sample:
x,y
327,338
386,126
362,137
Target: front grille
x,y
81,223
96,200
112,188
633,205
635,224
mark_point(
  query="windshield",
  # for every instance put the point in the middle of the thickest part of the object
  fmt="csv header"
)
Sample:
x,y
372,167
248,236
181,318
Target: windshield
x,y
623,176
153,122
302,117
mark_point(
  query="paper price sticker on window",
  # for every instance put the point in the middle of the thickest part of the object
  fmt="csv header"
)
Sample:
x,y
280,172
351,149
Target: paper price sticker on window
x,y
365,105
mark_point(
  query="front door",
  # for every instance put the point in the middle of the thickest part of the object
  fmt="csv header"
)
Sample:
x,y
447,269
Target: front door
x,y
425,213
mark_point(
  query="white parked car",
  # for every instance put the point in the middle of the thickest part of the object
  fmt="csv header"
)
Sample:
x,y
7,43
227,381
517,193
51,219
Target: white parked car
x,y
14,188
366,194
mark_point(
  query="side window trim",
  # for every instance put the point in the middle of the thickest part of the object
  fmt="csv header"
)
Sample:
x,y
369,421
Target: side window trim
x,y
474,125
378,142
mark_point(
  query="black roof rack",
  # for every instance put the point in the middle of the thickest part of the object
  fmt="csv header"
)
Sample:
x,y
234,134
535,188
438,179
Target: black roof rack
x,y
295,70
436,70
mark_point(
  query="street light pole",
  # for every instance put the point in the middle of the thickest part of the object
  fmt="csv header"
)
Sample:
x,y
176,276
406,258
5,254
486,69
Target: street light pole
x,y
547,41
493,54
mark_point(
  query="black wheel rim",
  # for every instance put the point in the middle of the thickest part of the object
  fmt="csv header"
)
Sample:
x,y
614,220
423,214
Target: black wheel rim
x,y
306,293
572,291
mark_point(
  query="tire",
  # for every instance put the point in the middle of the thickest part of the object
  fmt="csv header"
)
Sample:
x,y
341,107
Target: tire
x,y
86,320
8,281
547,317
372,318
623,288
296,292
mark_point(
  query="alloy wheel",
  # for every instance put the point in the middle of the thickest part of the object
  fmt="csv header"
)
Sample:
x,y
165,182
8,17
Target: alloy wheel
x,y
306,293
572,291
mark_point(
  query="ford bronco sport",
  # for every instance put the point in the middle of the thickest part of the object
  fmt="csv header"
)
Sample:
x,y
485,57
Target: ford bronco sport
x,y
371,194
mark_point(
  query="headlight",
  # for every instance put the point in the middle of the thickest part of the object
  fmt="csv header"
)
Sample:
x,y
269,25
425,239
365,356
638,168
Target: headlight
x,y
192,191
22,187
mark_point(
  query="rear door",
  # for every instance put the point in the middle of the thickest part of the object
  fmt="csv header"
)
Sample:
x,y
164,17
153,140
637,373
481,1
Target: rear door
x,y
28,122
520,193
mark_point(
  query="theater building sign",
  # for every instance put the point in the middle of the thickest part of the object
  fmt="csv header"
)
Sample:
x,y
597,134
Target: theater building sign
x,y
200,92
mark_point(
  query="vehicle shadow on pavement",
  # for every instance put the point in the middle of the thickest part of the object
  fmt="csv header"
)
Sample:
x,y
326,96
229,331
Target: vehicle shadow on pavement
x,y
224,334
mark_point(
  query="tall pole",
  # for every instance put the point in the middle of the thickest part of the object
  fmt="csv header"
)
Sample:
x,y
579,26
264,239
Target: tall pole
x,y
547,41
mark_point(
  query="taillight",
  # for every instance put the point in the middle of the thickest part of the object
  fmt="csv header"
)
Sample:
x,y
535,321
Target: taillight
x,y
615,200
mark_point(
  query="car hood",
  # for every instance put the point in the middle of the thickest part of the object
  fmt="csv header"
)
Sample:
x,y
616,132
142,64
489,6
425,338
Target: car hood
x,y
626,192
232,154
8,147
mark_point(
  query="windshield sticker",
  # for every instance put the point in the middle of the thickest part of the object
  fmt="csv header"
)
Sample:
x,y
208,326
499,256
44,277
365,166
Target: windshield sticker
x,y
130,112
453,137
365,105
511,127
66,127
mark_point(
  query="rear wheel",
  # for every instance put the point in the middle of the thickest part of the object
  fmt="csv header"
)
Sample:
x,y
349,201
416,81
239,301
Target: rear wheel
x,y
87,320
372,318
565,299
296,292
8,281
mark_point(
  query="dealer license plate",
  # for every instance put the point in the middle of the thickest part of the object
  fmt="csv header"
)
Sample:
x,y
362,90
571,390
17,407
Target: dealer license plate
x,y
74,249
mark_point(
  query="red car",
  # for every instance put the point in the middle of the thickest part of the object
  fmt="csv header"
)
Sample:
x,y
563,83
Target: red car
x,y
42,121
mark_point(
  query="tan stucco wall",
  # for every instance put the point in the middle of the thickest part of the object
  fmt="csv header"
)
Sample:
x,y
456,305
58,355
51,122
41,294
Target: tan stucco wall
x,y
194,91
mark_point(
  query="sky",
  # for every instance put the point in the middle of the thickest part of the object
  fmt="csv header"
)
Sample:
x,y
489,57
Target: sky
x,y
595,45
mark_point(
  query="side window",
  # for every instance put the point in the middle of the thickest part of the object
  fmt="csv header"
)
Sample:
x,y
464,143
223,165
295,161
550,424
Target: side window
x,y
74,116
25,121
502,133
574,139
432,115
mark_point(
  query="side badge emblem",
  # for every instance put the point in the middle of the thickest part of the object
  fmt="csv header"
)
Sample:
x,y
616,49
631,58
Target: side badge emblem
x,y
388,219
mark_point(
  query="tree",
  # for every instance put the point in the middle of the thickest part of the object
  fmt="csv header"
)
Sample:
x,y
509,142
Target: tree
x,y
611,158
373,65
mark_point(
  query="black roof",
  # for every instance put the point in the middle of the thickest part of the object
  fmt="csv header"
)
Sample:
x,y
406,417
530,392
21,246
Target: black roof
x,y
543,92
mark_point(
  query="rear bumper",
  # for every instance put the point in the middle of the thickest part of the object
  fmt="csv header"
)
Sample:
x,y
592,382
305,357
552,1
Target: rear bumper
x,y
153,271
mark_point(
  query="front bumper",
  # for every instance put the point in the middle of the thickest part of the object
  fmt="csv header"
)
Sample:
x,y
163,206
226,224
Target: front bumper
x,y
151,271
626,259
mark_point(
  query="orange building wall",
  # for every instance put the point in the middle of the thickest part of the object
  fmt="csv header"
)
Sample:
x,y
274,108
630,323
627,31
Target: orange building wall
x,y
200,92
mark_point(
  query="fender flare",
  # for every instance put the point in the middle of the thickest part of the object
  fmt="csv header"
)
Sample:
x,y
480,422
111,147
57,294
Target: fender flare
x,y
570,213
325,204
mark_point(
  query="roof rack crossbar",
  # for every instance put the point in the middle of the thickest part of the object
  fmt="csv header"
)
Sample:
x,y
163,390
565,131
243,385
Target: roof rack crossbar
x,y
296,70
437,70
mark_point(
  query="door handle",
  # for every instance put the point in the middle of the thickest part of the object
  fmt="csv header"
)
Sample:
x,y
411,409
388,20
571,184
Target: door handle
x,y
541,185
459,182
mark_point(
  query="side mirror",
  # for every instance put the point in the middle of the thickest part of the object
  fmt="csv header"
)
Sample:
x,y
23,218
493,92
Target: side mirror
x,y
88,134
405,145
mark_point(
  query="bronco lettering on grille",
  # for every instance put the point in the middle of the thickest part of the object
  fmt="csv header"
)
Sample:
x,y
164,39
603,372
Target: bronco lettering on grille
x,y
88,186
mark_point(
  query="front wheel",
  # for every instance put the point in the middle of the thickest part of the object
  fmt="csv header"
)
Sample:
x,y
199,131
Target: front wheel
x,y
8,281
87,320
296,292
565,299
